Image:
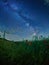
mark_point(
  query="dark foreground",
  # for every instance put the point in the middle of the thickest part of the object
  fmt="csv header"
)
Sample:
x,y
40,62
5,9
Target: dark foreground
x,y
24,53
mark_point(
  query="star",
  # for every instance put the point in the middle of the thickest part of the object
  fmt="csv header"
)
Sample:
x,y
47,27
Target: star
x,y
13,6
34,33
24,20
27,24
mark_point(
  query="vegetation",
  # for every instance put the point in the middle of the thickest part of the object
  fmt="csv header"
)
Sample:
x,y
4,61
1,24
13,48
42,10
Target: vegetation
x,y
24,53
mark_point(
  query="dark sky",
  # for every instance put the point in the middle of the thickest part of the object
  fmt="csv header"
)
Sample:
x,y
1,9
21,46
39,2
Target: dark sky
x,y
23,18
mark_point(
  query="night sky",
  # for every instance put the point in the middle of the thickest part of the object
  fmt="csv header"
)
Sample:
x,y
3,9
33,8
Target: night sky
x,y
24,18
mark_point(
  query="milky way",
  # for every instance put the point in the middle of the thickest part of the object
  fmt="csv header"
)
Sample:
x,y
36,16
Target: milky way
x,y
24,17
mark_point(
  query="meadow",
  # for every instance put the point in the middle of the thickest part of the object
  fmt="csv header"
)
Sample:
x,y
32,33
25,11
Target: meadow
x,y
24,52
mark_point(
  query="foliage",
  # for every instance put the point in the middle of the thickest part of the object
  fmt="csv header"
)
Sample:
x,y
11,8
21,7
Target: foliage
x,y
21,53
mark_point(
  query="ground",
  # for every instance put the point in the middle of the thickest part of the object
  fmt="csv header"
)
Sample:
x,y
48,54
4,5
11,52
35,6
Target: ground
x,y
24,53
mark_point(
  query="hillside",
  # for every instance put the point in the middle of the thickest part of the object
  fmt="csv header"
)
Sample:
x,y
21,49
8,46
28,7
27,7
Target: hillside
x,y
24,53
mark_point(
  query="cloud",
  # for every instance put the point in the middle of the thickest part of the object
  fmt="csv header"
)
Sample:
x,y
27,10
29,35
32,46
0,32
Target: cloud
x,y
47,1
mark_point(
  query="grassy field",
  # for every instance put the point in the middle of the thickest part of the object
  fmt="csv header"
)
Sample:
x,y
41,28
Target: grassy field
x,y
24,53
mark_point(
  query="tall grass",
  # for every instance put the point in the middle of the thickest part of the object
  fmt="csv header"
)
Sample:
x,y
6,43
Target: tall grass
x,y
24,53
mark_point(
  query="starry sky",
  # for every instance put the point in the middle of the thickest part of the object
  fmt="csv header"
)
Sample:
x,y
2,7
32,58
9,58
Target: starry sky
x,y
23,18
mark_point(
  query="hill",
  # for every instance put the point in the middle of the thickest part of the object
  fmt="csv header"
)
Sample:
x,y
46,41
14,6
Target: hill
x,y
24,53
